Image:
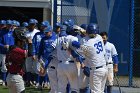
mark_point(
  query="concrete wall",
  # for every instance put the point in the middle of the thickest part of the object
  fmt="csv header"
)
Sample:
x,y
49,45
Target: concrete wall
x,y
44,4
38,4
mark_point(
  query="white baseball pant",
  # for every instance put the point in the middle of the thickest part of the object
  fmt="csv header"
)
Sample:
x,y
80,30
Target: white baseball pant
x,y
98,79
67,72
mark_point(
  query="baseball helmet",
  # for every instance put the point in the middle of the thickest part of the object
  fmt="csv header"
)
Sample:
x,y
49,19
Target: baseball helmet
x,y
71,22
84,26
93,28
72,31
20,33
66,23
2,22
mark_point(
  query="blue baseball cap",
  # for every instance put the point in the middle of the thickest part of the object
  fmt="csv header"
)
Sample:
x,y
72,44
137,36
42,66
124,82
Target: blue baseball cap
x,y
93,28
9,22
2,22
58,24
48,29
33,21
14,22
17,23
24,24
45,23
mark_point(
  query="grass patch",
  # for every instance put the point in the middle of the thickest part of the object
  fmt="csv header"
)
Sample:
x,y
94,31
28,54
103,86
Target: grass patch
x,y
28,90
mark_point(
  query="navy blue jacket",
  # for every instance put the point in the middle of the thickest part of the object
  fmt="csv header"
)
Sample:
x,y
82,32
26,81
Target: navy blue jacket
x,y
36,42
46,46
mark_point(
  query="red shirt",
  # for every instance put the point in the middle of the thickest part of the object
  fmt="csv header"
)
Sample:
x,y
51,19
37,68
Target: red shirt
x,y
15,59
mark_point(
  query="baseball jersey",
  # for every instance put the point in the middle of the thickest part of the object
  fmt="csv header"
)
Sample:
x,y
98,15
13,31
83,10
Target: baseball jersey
x,y
110,52
46,46
15,59
94,51
31,34
62,54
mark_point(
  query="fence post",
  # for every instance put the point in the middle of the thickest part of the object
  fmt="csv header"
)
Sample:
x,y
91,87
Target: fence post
x,y
55,12
131,42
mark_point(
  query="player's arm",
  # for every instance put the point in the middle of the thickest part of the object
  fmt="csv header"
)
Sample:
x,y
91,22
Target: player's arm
x,y
2,41
34,45
115,58
76,55
34,50
83,48
41,49
30,48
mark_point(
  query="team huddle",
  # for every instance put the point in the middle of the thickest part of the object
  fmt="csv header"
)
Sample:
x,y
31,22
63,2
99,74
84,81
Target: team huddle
x,y
68,58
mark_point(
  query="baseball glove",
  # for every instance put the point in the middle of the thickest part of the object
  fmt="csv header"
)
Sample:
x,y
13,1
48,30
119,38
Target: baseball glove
x,y
86,71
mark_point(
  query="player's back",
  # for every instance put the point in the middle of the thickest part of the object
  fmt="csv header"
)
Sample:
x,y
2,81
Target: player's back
x,y
95,51
64,54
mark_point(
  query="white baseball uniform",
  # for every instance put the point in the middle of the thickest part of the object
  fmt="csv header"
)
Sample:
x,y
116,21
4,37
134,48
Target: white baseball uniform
x,y
94,51
110,51
67,69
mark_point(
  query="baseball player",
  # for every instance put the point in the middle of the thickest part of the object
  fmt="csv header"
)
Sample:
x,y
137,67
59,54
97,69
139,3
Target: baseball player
x,y
45,53
52,67
29,60
36,43
6,40
2,27
94,51
14,61
15,24
112,61
67,69
83,79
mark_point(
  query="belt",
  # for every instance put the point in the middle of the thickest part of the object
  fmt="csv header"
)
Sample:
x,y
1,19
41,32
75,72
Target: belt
x,y
52,67
109,63
97,67
71,61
